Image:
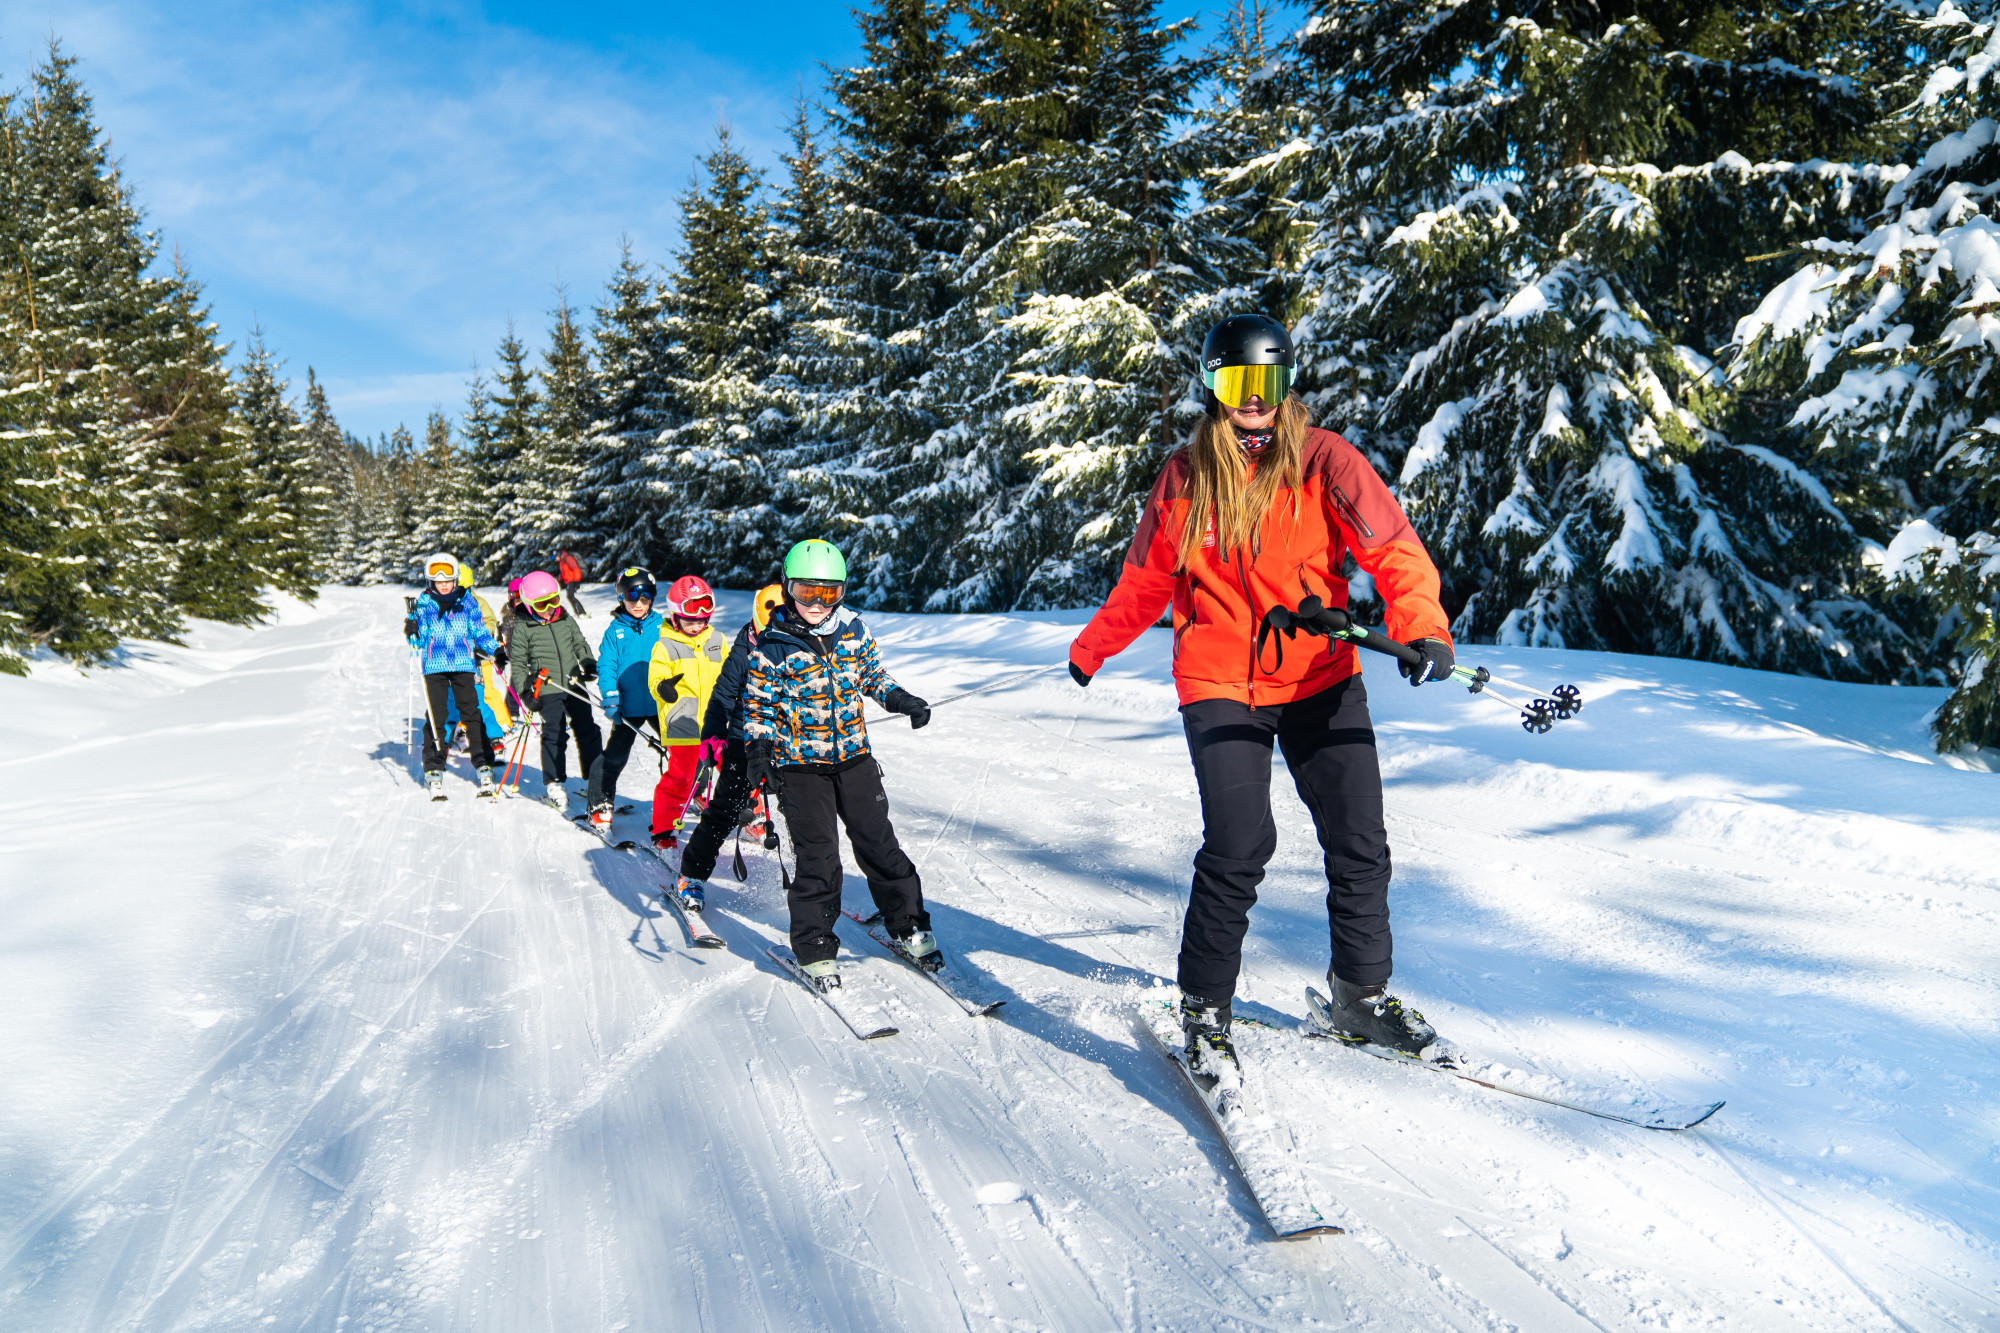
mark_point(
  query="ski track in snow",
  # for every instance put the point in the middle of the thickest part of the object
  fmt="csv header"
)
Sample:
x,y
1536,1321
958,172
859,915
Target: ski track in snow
x,y
291,1046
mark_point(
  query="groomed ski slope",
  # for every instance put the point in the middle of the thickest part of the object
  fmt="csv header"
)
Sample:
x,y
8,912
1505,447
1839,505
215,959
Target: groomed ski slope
x,y
289,1046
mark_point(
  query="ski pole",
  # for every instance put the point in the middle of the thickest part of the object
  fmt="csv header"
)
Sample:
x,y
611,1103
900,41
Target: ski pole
x,y
1000,684
593,699
1314,617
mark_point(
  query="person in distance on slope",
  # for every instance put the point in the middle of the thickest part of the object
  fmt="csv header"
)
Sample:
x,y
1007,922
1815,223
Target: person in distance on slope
x,y
722,744
547,640
448,631
622,655
687,658
1259,509
569,573
811,673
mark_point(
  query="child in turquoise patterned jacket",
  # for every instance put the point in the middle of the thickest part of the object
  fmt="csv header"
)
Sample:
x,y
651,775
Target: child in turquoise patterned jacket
x,y
812,671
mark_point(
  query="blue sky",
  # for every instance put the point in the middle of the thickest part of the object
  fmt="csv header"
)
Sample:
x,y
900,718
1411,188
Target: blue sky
x,y
382,187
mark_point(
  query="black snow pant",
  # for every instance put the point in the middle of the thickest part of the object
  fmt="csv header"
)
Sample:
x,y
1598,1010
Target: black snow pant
x,y
465,685
815,804
559,711
617,750
1329,744
719,818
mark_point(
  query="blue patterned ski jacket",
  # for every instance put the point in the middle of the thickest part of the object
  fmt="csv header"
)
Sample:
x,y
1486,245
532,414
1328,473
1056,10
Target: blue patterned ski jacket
x,y
806,689
450,637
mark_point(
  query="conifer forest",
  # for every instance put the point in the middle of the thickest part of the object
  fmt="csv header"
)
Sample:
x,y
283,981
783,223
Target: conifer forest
x,y
1674,327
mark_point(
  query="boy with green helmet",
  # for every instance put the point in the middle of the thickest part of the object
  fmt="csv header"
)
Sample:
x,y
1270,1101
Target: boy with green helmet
x,y
812,671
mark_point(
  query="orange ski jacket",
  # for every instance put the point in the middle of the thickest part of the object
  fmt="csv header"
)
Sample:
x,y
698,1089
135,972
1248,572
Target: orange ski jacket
x,y
1219,601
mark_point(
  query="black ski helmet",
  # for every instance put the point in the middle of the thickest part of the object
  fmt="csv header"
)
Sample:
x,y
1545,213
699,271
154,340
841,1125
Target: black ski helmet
x,y
1247,340
636,579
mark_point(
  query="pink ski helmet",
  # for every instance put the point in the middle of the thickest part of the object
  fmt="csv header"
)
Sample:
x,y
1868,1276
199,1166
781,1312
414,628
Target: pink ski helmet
x,y
690,598
542,595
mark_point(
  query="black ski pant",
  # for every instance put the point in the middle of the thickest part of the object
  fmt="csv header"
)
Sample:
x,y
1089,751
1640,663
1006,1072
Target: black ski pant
x,y
437,743
815,803
1329,744
610,764
720,816
559,712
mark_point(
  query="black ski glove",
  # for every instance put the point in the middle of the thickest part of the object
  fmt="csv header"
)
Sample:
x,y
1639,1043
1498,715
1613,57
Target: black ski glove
x,y
761,771
1436,663
909,705
1078,674
587,672
669,688
500,659
410,628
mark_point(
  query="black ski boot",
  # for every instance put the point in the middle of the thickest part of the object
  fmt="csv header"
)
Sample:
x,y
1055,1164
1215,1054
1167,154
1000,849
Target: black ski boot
x,y
1205,1023
1370,1016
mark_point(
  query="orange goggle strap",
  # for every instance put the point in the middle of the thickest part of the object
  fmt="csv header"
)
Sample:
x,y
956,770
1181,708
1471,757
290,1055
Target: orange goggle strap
x,y
1234,386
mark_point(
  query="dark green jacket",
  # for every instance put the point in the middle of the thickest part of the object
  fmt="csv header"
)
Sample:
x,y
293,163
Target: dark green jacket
x,y
558,646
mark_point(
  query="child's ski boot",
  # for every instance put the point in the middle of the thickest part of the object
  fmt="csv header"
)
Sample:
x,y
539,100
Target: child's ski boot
x,y
600,817
825,974
922,948
435,783
486,787
557,796
692,892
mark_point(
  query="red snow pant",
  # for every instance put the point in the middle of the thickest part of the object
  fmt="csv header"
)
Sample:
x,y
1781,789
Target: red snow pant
x,y
671,796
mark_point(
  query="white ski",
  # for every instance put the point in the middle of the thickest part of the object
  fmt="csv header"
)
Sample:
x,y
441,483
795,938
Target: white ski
x,y
1260,1144
862,1016
949,979
1627,1108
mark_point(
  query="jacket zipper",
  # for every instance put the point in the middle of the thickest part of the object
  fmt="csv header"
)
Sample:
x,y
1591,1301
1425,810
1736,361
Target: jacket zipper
x,y
1243,581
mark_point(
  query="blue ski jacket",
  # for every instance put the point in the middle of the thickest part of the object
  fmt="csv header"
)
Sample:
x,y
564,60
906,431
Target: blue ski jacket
x,y
452,635
622,656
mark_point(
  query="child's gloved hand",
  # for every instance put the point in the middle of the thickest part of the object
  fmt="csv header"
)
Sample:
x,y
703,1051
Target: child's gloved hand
x,y
763,773
712,748
669,688
909,705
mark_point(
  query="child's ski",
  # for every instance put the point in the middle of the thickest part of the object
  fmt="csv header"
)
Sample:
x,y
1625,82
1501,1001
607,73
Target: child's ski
x,y
1445,1058
700,933
1260,1143
583,822
949,979
861,1016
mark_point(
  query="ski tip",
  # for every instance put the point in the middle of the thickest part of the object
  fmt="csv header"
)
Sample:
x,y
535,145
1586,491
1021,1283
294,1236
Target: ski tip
x,y
878,1032
1308,1231
984,1010
1688,1122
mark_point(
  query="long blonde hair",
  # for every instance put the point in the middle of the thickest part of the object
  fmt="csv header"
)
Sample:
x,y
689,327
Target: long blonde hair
x,y
1220,489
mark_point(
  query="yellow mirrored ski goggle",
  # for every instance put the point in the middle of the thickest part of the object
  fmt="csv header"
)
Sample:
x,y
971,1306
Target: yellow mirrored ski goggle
x,y
1234,386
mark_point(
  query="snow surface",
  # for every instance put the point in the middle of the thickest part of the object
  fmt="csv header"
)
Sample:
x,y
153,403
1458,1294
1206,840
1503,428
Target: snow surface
x,y
289,1046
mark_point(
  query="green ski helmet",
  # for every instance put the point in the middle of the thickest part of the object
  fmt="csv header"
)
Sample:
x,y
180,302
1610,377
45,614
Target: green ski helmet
x,y
816,560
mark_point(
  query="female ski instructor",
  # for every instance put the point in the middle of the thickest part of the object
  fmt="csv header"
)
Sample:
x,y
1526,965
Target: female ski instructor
x,y
1260,510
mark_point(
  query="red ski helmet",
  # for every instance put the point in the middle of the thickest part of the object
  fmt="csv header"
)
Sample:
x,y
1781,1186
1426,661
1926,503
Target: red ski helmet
x,y
690,598
542,595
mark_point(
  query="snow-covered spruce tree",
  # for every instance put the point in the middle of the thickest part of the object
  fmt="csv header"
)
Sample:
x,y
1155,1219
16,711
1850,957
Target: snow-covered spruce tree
x,y
1590,192
333,467
629,367
501,454
1108,330
1021,78
1883,346
284,462
217,517
706,473
450,517
77,300
897,235
543,513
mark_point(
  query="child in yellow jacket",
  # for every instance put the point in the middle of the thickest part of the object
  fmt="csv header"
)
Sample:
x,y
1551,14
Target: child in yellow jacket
x,y
682,673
